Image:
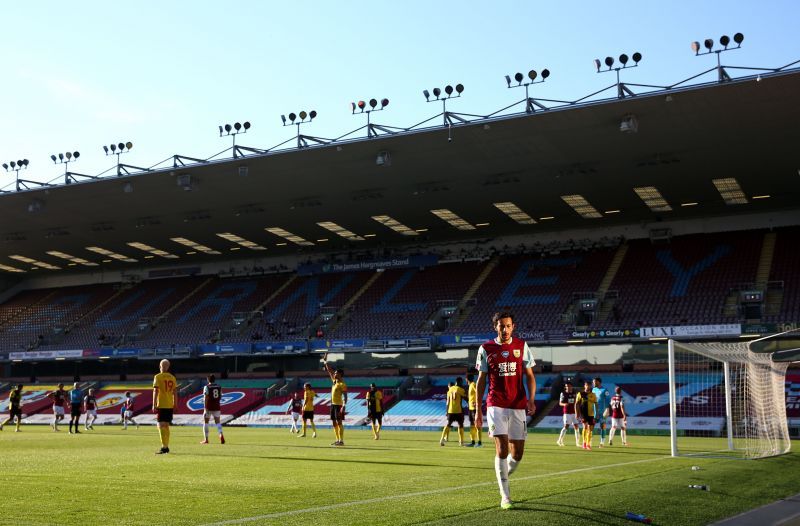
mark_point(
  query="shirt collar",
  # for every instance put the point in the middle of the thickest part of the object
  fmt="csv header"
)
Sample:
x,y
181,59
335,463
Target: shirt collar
x,y
498,342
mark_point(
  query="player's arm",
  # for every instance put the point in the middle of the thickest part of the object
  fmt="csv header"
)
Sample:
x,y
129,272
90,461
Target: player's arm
x,y
578,399
480,389
529,364
327,366
155,398
622,410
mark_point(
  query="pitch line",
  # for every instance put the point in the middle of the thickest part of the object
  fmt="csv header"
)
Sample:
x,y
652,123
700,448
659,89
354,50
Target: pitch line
x,y
385,498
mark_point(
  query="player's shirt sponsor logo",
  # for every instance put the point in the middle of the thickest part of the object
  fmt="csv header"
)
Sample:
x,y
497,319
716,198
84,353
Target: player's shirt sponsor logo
x,y
196,403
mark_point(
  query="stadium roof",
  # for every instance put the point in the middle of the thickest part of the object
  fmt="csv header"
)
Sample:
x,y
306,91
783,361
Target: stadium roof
x,y
704,151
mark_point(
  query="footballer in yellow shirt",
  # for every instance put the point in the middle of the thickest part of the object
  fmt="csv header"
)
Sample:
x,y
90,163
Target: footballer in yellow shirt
x,y
165,398
338,401
308,411
474,405
585,404
455,414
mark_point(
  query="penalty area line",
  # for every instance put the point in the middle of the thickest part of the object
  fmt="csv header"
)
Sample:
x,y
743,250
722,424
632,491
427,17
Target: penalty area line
x,y
385,498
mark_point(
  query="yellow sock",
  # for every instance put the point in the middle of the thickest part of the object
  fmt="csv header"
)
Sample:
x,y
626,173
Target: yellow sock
x,y
473,433
589,434
341,432
304,428
479,434
584,434
378,428
460,435
161,435
166,436
445,432
313,427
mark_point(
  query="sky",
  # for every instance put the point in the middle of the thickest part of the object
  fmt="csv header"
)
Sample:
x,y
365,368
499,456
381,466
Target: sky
x,y
164,75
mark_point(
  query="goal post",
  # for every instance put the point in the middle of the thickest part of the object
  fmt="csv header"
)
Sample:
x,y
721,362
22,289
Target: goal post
x,y
726,400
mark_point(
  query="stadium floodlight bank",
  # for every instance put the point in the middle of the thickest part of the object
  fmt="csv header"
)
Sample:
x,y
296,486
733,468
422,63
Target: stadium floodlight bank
x,y
727,400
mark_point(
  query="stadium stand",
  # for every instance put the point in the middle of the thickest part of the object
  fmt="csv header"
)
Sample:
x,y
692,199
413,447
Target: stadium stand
x,y
785,278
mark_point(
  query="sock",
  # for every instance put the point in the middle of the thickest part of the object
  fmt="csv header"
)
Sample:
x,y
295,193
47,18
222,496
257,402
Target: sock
x,y
162,435
473,433
219,428
166,436
479,435
205,431
379,428
125,424
589,433
512,465
611,435
602,434
501,470
445,432
563,432
623,433
374,432
460,435
577,438
313,427
585,435
341,432
336,432
304,428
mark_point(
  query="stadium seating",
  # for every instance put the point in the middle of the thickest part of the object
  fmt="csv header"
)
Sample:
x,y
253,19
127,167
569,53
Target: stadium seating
x,y
786,269
685,281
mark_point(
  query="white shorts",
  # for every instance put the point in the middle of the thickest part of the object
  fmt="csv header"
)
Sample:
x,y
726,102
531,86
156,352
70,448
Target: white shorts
x,y
58,410
295,416
503,421
92,412
618,423
128,414
208,414
570,419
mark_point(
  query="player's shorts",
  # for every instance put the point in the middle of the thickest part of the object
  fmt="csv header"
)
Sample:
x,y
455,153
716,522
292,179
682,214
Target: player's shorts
x,y
164,415
570,419
209,414
91,412
376,415
15,411
457,418
75,410
336,413
308,415
295,416
471,415
58,410
590,421
503,421
618,423
128,414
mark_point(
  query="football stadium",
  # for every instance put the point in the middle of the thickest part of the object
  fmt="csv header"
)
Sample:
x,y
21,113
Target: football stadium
x,y
305,333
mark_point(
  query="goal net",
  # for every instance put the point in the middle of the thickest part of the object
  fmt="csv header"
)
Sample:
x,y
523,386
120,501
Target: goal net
x,y
726,400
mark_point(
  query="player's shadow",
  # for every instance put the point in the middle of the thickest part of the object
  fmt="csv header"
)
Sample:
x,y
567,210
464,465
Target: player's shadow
x,y
341,460
589,515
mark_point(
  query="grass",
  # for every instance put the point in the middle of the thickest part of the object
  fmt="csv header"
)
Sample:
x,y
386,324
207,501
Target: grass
x,y
111,476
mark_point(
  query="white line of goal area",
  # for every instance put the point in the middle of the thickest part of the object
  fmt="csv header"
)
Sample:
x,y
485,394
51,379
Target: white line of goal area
x,y
329,507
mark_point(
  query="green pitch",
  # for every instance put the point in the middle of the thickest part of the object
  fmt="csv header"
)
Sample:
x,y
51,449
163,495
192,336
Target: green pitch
x,y
268,476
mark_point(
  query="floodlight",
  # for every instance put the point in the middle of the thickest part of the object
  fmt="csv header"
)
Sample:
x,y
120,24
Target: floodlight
x,y
283,118
75,155
53,157
373,103
448,89
352,107
246,125
13,164
597,64
623,59
25,162
518,77
708,43
220,130
545,73
724,40
237,126
292,117
532,75
113,147
5,166
121,146
459,88
60,156
106,149
437,92
312,115
508,81
303,115
738,38
361,105
609,62
68,155
637,57
696,47
384,103
228,128
427,94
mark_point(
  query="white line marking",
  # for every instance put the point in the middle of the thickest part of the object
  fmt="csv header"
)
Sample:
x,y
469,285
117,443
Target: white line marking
x,y
316,509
